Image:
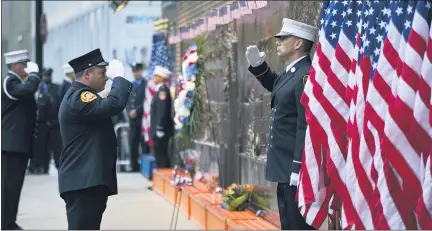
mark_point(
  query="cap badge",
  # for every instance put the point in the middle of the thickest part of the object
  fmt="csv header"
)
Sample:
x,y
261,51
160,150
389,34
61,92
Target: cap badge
x,y
304,79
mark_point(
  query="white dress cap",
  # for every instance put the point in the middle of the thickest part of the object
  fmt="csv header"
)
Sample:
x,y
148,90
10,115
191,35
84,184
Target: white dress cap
x,y
298,29
67,69
16,56
162,72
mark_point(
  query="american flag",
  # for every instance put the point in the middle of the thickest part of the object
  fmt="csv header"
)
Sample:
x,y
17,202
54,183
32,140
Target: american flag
x,y
212,20
369,76
244,9
182,32
235,10
260,4
401,148
187,33
159,56
421,112
171,39
190,32
252,5
203,25
227,16
221,16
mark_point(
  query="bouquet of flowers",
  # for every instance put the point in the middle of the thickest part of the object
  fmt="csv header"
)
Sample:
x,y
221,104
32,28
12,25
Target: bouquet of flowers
x,y
183,104
190,166
213,182
261,196
236,197
179,178
186,175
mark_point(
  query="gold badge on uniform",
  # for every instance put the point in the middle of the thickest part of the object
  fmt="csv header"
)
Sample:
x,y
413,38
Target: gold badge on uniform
x,y
87,96
304,79
162,95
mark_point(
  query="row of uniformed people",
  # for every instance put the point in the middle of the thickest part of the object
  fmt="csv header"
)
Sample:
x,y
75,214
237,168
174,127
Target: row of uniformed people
x,y
87,164
89,139
48,98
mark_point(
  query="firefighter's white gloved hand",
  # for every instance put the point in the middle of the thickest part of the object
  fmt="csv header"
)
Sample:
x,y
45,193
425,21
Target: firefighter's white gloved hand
x,y
294,179
31,67
254,56
115,69
160,134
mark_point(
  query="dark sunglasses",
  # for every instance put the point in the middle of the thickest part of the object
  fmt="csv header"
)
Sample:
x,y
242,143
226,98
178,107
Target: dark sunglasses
x,y
23,63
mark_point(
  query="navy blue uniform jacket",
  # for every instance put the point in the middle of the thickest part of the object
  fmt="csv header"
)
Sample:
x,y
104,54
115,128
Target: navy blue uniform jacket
x,y
288,123
18,111
90,145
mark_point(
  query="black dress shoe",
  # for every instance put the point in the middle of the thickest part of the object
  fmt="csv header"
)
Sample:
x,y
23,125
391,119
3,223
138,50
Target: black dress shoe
x,y
15,226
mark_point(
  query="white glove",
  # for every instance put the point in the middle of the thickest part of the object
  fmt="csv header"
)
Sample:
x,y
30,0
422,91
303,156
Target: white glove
x,y
254,56
294,179
160,134
31,67
115,69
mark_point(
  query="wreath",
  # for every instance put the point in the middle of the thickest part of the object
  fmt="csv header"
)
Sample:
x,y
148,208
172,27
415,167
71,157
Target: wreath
x,y
187,105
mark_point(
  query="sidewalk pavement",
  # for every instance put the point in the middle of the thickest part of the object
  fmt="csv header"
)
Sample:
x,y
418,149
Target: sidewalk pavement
x,y
133,208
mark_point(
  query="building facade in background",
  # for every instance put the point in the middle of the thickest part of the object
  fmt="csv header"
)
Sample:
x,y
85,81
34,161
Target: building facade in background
x,y
17,18
125,35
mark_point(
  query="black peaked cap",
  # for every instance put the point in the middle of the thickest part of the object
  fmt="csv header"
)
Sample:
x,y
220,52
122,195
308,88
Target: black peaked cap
x,y
91,59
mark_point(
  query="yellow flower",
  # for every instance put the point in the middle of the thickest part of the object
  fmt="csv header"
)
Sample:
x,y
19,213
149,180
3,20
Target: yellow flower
x,y
249,187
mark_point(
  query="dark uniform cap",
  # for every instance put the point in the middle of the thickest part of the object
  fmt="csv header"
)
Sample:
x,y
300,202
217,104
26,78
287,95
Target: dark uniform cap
x,y
91,59
47,71
137,66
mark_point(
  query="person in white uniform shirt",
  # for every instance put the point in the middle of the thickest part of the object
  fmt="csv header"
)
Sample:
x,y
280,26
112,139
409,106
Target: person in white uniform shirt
x,y
288,123
18,110
161,122
67,81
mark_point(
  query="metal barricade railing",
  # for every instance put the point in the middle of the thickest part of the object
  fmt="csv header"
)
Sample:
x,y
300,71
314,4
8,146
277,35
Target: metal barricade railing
x,y
123,147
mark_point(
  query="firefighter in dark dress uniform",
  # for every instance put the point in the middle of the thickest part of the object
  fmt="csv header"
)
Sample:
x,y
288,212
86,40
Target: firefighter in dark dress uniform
x,y
18,111
288,123
87,173
135,110
161,122
67,81
44,115
54,138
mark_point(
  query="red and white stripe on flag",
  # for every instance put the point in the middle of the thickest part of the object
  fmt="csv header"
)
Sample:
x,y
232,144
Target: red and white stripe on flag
x,y
380,138
227,18
145,127
401,148
244,8
251,5
260,4
424,129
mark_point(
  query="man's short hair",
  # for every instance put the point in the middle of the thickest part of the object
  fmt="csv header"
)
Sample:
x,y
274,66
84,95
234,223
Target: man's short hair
x,y
81,73
307,45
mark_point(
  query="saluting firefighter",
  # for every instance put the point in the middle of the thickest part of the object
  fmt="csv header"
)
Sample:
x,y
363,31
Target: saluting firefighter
x,y
18,111
288,123
67,81
135,110
161,122
87,174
